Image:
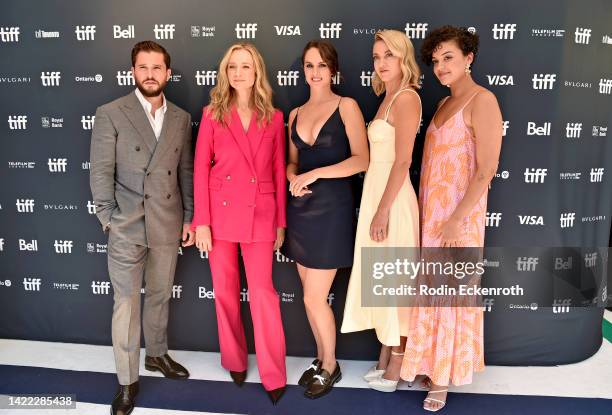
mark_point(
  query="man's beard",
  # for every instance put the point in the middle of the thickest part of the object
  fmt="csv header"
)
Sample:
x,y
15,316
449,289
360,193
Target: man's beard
x,y
150,93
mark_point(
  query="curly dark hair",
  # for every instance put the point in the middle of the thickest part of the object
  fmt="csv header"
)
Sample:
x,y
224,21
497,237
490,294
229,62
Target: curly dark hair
x,y
467,41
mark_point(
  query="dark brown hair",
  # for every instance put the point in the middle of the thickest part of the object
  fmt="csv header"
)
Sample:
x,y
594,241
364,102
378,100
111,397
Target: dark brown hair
x,y
467,41
150,46
327,52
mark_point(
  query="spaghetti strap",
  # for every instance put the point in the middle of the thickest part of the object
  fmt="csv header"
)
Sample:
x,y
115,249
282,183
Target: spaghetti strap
x,y
468,101
395,96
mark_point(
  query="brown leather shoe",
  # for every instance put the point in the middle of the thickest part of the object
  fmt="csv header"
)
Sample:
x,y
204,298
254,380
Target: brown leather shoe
x,y
276,394
167,366
322,383
123,402
312,370
238,377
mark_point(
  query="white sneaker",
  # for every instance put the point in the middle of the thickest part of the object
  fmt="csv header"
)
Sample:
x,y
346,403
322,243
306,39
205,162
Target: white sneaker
x,y
383,385
373,373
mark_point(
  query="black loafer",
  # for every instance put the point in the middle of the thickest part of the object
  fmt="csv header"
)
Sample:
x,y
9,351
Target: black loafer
x,y
123,402
312,370
167,366
323,382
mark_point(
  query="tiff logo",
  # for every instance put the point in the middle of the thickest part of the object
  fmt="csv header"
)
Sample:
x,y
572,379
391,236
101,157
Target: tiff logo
x,y
330,30
544,81
100,287
25,205
561,306
50,78
176,291
206,77
91,207
287,78
582,36
573,129
119,33
533,175
567,219
62,247
18,122
505,126
590,259
31,284
9,34
605,86
125,78
85,32
597,174
57,165
487,304
493,219
366,78
504,31
416,30
87,121
246,30
524,263
164,31
532,129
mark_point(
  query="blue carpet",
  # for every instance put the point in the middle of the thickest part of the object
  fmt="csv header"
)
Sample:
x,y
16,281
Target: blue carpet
x,y
211,396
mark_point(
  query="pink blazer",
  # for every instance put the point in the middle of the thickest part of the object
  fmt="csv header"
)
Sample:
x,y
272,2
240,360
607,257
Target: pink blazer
x,y
239,180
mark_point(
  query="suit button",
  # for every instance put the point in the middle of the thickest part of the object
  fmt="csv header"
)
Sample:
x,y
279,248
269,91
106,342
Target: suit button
x,y
148,173
168,196
137,148
252,179
147,196
169,173
176,150
224,203
228,177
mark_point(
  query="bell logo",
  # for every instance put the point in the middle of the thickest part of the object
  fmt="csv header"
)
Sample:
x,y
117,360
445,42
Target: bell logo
x,y
125,78
504,31
531,220
501,80
287,30
487,304
31,246
206,77
330,30
119,33
85,32
246,30
100,287
287,78
526,263
366,78
532,129
544,81
25,205
567,219
50,78
9,34
582,36
87,121
31,284
605,86
416,30
18,122
533,175
573,129
62,247
590,259
493,219
204,293
176,291
561,306
597,175
57,165
164,31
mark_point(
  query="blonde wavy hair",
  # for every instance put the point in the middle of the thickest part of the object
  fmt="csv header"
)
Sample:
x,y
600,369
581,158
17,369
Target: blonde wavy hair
x,y
399,44
222,95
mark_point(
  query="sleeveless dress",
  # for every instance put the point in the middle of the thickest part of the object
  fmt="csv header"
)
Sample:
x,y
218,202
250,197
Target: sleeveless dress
x,y
321,225
446,343
403,232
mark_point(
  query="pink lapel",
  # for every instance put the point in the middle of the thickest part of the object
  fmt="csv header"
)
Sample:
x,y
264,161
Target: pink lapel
x,y
235,127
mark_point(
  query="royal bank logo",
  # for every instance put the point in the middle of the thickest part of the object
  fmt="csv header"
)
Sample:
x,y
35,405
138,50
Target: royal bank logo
x,y
202,31
62,246
493,219
87,121
596,175
566,219
535,175
416,30
582,36
533,129
287,78
531,220
505,126
31,246
21,164
50,78
164,31
246,30
52,122
206,78
561,306
120,33
605,86
288,30
96,248
57,165
544,81
100,287
25,205
590,259
547,32
125,78
18,122
573,129
32,284
527,264
504,31
9,34
85,32
330,30
501,80
366,78
91,207
42,34
599,131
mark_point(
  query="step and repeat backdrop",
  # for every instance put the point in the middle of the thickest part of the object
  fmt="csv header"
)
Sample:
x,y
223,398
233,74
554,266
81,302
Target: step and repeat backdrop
x,y
548,62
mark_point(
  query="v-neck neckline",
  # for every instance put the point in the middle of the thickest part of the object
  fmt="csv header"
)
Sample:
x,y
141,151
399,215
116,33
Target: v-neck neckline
x,y
319,133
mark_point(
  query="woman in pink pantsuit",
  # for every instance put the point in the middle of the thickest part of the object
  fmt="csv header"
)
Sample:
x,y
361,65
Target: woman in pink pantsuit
x,y
239,199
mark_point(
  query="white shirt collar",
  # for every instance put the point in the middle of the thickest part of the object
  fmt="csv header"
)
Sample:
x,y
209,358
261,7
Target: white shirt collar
x,y
147,105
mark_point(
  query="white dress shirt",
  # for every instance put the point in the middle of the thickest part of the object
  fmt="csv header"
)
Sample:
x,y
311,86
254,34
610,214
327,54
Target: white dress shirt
x,y
157,120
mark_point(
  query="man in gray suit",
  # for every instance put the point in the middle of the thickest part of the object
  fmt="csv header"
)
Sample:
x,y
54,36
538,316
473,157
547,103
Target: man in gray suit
x,y
142,185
